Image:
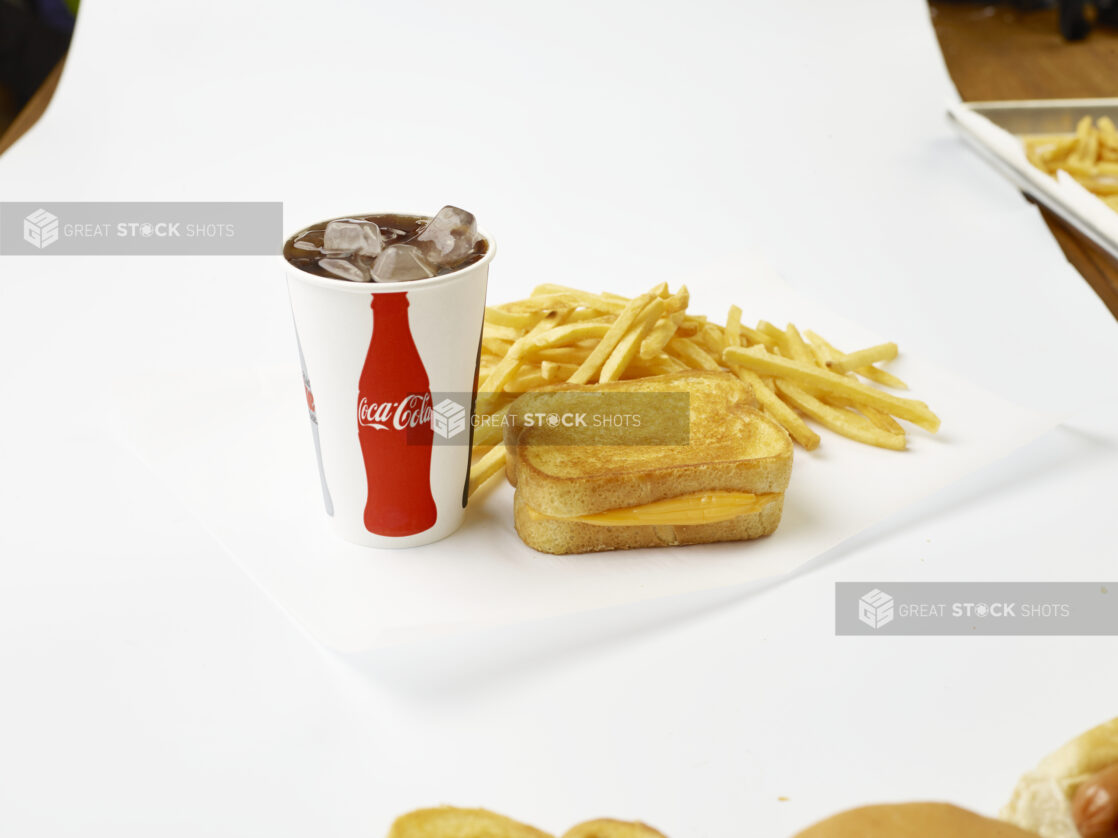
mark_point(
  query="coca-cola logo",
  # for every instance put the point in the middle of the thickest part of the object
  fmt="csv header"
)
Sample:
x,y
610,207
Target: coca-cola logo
x,y
410,412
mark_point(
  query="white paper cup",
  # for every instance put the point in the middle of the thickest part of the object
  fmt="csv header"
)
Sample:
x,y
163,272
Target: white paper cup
x,y
373,483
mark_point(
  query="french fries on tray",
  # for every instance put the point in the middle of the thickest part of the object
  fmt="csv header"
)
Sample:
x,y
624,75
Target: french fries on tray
x,y
564,335
1090,155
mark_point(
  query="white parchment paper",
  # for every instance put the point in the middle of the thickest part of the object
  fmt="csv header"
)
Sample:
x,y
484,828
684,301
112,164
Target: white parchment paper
x,y
241,458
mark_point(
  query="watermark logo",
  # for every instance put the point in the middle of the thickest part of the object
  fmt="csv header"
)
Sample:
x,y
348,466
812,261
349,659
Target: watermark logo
x,y
976,608
875,609
552,418
159,228
40,228
448,418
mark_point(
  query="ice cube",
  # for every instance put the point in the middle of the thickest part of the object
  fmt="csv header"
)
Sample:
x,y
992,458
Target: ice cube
x,y
305,245
353,237
449,237
345,269
401,262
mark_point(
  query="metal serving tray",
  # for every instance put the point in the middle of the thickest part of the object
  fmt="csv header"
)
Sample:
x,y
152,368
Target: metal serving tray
x,y
1042,116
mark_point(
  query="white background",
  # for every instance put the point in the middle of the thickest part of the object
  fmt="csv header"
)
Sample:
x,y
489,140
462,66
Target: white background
x,y
147,687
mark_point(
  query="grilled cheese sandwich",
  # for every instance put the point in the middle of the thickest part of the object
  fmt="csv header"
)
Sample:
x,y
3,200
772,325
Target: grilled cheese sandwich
x,y
724,482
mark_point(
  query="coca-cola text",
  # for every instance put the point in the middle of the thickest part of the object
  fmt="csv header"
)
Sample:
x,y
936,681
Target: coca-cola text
x,y
411,412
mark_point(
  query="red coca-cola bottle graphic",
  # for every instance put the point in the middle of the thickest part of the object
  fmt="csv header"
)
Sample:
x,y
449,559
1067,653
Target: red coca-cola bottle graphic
x,y
394,424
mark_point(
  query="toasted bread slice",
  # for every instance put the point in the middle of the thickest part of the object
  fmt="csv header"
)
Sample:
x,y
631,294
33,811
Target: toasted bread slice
x,y
452,822
609,828
912,820
563,536
731,446
732,473
710,393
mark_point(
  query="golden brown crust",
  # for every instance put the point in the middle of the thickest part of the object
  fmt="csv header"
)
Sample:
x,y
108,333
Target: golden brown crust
x,y
733,448
452,822
705,386
912,820
610,828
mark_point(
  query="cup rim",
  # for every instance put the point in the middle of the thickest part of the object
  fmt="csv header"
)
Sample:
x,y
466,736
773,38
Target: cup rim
x,y
348,286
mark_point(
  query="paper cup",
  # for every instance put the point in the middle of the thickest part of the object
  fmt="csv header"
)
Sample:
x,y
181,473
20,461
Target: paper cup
x,y
391,408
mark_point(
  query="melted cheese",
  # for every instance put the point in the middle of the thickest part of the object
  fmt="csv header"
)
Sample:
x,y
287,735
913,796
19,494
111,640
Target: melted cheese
x,y
682,511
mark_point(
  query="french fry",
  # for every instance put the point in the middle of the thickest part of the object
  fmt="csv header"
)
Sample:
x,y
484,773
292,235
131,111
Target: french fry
x,y
564,302
678,301
583,314
1090,155
553,371
874,374
519,320
562,334
593,363
599,302
492,431
662,365
493,346
759,361
753,337
479,451
564,354
486,468
733,327
783,415
864,357
879,418
824,354
654,343
797,349
1102,188
712,338
840,421
629,345
691,325
691,354
526,379
879,376
503,372
1076,167
776,339
508,334
1088,141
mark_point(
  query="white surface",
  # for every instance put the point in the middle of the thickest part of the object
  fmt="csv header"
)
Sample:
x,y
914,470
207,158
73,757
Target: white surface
x,y
148,687
266,512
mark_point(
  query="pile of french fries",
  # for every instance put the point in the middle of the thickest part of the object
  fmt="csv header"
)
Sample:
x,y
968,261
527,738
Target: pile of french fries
x,y
1090,156
563,335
